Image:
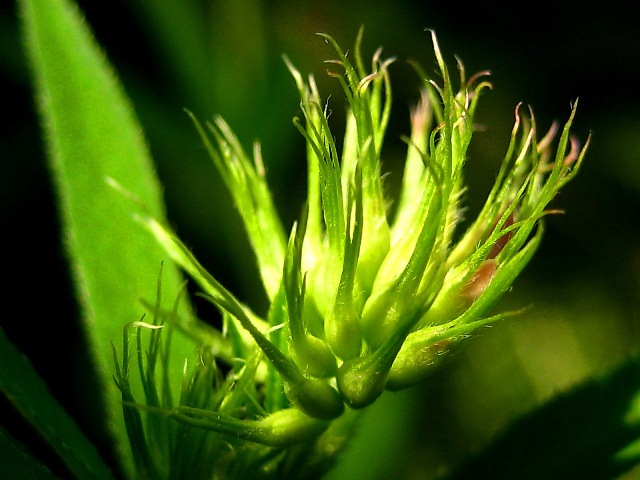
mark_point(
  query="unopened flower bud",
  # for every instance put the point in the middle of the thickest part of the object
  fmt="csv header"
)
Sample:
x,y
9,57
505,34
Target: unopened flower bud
x,y
477,284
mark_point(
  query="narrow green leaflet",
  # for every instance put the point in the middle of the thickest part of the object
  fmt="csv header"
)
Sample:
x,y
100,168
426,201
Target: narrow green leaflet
x,y
28,393
92,135
16,462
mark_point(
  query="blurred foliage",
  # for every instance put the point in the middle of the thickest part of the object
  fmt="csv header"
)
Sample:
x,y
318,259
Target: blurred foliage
x,y
224,56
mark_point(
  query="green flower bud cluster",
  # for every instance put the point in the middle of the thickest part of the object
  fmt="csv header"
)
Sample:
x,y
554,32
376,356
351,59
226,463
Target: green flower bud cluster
x,y
362,300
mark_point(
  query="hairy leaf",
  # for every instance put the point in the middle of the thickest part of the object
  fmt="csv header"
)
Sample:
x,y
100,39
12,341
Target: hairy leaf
x,y
92,134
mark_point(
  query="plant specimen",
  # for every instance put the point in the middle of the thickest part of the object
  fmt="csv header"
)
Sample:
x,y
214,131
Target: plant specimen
x,y
366,293
360,300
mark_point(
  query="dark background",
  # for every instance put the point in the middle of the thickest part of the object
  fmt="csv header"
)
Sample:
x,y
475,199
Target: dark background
x,y
583,283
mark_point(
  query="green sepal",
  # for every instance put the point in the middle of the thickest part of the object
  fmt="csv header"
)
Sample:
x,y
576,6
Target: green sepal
x,y
310,353
387,312
370,112
342,325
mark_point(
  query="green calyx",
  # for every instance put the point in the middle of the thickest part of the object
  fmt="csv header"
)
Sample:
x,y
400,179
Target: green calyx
x,y
362,301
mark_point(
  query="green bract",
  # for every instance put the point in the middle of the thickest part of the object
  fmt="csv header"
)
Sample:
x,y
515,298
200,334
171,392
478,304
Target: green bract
x,y
360,302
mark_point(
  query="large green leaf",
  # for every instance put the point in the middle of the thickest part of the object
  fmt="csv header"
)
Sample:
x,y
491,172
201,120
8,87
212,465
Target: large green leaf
x,y
591,431
92,134
31,397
